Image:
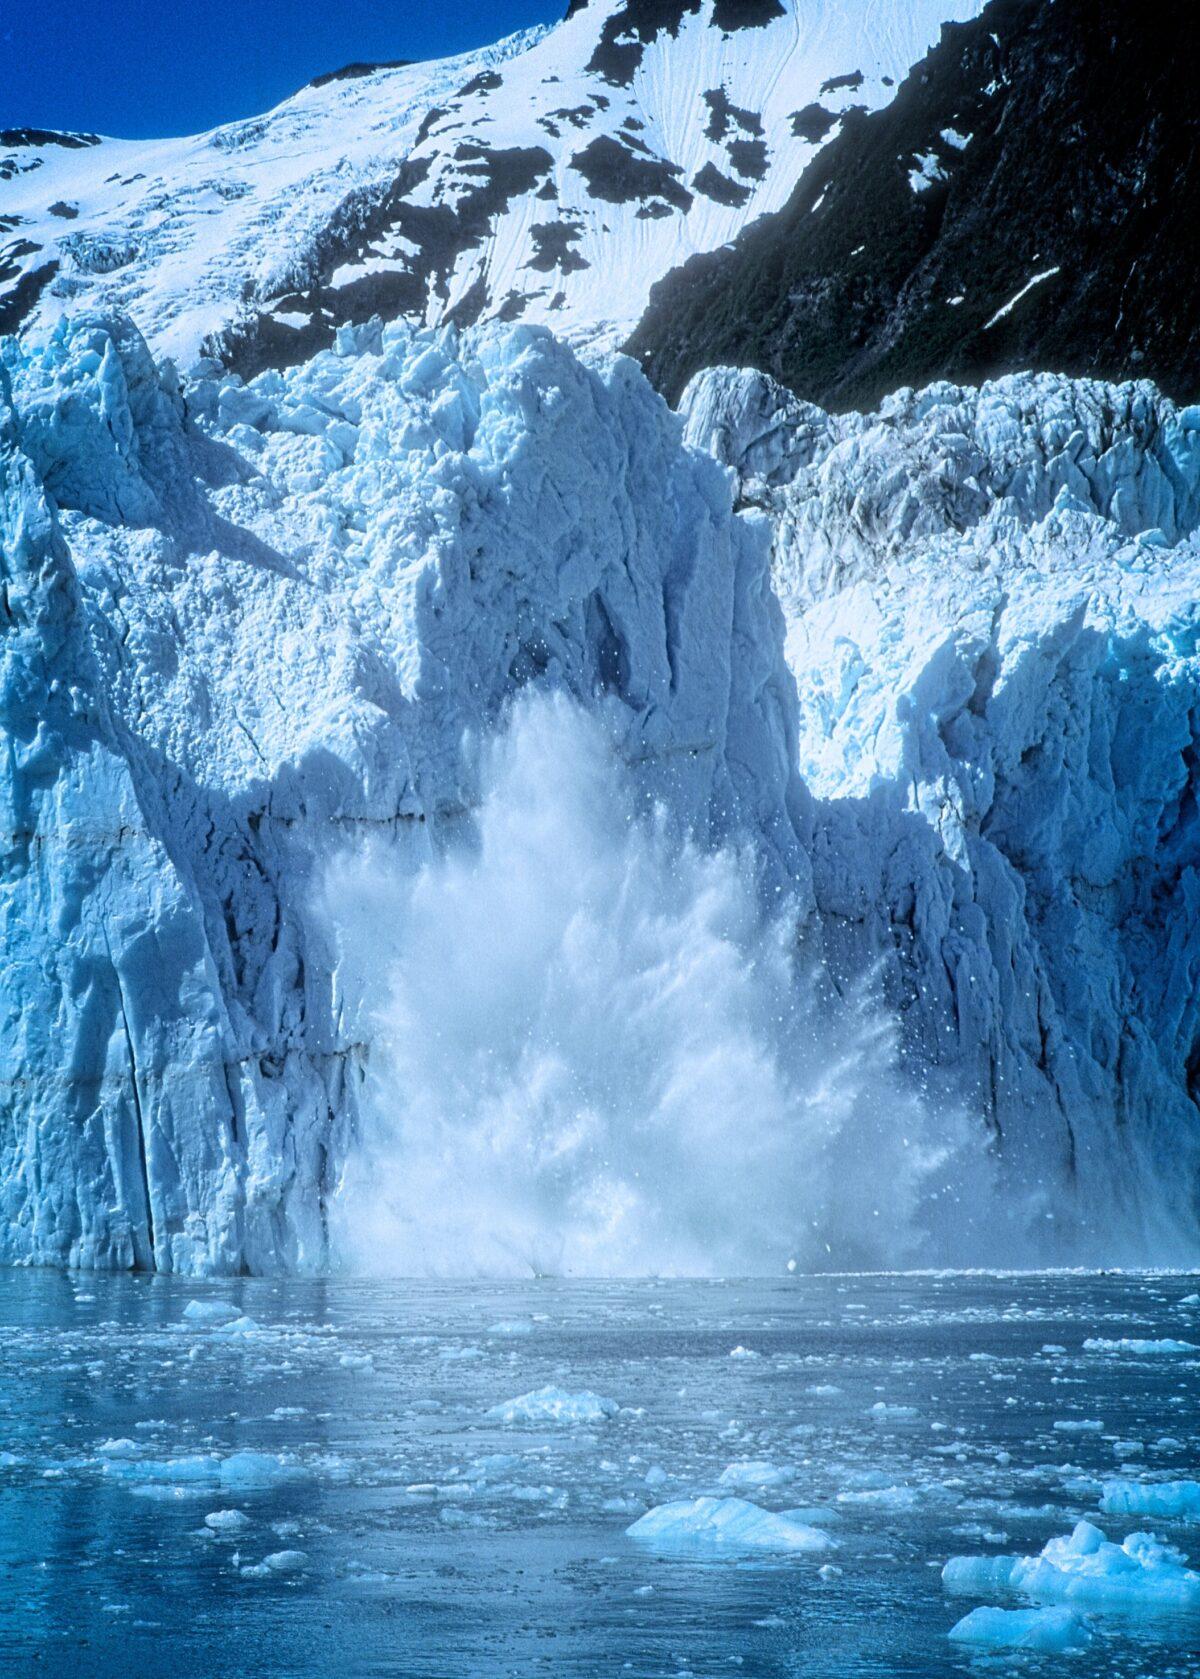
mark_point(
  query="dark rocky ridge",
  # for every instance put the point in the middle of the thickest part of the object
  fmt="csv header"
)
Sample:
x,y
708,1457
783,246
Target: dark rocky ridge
x,y
1084,119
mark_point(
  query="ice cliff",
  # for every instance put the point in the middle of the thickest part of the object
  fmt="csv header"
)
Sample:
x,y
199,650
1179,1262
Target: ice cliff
x,y
245,626
992,620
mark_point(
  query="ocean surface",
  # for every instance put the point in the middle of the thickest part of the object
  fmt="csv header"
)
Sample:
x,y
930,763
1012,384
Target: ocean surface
x,y
302,1478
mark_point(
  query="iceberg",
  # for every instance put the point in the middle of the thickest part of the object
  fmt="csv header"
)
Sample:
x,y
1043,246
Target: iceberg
x,y
1176,1500
552,1404
1087,1569
728,1526
1048,1631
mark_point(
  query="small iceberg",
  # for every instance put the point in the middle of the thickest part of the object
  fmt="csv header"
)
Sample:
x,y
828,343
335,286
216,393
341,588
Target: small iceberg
x,y
1086,1568
726,1525
227,1521
1175,1500
551,1404
753,1472
210,1311
1049,1631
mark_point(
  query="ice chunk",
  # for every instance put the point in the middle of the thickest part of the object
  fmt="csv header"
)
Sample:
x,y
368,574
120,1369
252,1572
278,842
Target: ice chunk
x,y
753,1472
1086,1425
227,1521
256,1469
511,1326
1049,1631
726,1525
236,1328
1086,1568
1099,1344
279,1562
285,1562
210,1311
1178,1500
553,1404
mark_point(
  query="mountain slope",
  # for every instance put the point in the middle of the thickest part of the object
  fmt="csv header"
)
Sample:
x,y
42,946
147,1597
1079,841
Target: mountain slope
x,y
1027,200
551,178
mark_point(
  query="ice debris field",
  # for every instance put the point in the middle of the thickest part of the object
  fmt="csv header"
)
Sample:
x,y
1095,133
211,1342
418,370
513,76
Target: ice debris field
x,y
900,1475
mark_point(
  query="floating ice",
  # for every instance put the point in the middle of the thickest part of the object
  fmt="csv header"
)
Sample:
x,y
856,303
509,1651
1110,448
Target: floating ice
x,y
516,1326
725,1524
1049,1631
753,1472
1086,1568
285,1562
1178,1500
1086,1425
210,1311
227,1521
1099,1344
279,1562
552,1404
887,1498
238,1327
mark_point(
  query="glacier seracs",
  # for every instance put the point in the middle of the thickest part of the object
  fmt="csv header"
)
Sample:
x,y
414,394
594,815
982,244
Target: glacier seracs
x,y
990,597
247,625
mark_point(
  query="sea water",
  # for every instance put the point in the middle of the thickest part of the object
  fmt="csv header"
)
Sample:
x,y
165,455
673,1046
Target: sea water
x,y
439,1479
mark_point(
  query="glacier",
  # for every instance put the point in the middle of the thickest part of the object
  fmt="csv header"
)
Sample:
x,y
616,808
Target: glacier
x,y
934,667
990,599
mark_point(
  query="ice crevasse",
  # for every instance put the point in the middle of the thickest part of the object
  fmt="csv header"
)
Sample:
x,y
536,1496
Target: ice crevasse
x,y
936,666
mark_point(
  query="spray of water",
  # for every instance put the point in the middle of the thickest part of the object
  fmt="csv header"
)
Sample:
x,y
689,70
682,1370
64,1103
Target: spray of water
x,y
593,1055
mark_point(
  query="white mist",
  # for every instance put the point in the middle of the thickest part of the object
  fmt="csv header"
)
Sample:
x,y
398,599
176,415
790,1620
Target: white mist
x,y
593,1057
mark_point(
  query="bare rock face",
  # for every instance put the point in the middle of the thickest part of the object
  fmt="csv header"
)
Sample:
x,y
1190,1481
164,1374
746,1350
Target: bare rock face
x,y
1025,201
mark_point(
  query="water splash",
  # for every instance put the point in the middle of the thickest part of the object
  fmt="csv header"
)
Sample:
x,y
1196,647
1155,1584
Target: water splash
x,y
593,1056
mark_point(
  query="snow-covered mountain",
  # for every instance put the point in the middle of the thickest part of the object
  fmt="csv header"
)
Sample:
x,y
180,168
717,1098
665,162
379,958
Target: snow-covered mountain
x,y
551,178
1027,200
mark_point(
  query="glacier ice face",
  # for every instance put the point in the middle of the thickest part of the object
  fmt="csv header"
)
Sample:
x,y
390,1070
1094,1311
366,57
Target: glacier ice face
x,y
250,627
990,599
245,629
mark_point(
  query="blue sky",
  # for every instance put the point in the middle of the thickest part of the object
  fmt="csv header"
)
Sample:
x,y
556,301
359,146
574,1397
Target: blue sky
x,y
157,67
